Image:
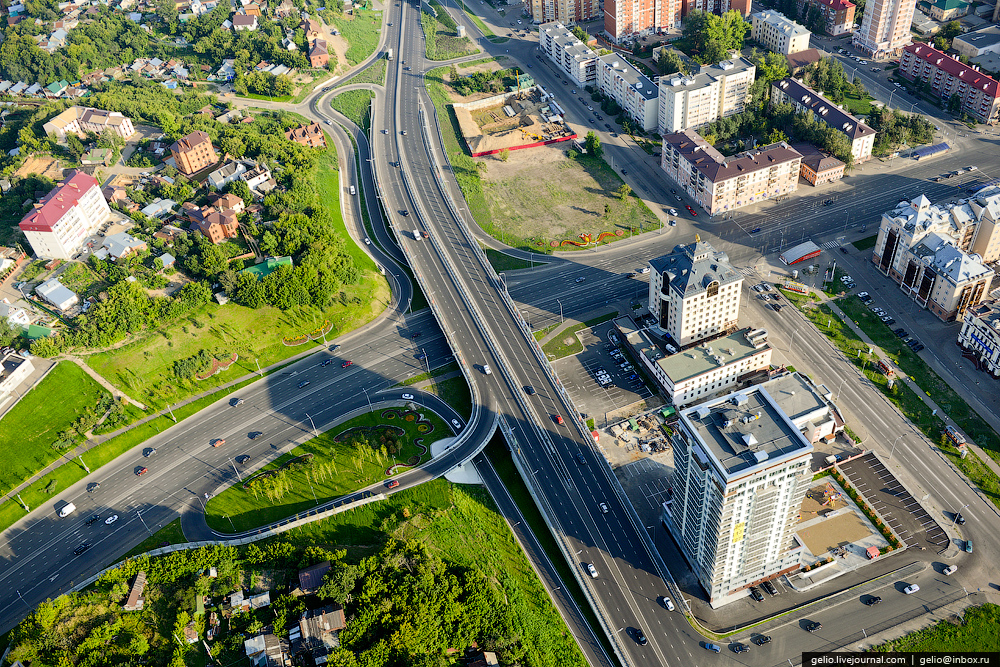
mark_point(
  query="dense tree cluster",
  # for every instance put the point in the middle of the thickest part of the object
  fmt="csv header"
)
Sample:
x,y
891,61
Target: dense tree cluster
x,y
481,82
263,83
827,75
896,129
670,63
710,37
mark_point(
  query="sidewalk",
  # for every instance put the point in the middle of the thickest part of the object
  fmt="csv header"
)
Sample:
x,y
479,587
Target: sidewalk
x,y
99,379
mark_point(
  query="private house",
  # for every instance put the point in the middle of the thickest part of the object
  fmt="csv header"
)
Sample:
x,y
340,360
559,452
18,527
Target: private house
x,y
120,245
244,22
57,294
311,135
193,153
318,632
226,174
217,226
313,29
311,578
318,54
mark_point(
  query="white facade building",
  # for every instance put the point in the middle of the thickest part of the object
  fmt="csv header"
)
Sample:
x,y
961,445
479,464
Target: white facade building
x,y
80,120
715,91
14,369
574,58
57,294
885,28
741,470
980,335
779,34
632,90
58,226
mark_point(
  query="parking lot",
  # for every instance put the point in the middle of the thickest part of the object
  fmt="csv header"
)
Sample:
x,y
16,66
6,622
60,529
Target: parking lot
x,y
894,504
601,379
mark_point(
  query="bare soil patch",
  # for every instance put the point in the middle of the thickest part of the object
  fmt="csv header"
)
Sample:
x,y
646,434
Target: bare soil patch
x,y
43,165
832,533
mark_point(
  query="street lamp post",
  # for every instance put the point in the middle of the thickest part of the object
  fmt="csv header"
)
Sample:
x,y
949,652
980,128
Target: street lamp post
x,y
370,408
561,320
955,519
894,446
235,470
230,522
840,387
139,514
315,434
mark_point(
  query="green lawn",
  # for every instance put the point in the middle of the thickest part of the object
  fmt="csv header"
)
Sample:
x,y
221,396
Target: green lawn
x,y
337,469
557,348
454,392
542,333
35,422
501,261
976,634
171,533
374,73
354,104
866,243
441,33
362,32
857,106
144,367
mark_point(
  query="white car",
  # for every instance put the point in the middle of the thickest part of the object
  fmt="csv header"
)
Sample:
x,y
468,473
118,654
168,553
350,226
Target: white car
x,y
111,519
910,590
591,570
407,397
457,424
603,507
951,569
667,603
368,241
846,279
673,211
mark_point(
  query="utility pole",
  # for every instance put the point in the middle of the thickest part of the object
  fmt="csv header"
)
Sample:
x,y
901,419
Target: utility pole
x,y
84,464
139,514
235,470
260,372
23,504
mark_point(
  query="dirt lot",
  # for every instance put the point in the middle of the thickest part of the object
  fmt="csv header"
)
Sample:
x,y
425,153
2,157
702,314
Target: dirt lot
x,y
542,193
491,66
836,532
46,166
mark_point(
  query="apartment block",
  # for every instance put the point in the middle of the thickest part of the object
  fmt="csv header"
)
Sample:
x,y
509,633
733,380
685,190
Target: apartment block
x,y
839,14
980,94
694,293
715,91
628,19
920,247
984,208
193,153
806,100
576,60
701,371
720,184
80,120
980,337
631,89
741,470
885,28
818,167
779,34
718,7
59,225
563,11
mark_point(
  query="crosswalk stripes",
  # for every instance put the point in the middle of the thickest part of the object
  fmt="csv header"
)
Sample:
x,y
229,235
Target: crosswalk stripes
x,y
831,244
746,271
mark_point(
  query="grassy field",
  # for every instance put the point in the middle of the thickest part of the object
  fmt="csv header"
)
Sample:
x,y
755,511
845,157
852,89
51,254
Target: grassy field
x,y
542,333
374,73
144,367
557,348
171,533
454,392
442,40
866,243
337,468
501,261
857,106
362,32
82,280
976,634
354,104
450,367
35,422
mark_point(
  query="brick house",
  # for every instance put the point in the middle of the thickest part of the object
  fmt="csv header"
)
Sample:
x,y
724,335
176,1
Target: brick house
x,y
193,153
311,135
318,54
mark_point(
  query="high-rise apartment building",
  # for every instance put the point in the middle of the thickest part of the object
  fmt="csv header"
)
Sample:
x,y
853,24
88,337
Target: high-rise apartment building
x,y
631,89
885,28
626,19
741,469
576,60
563,11
947,77
694,292
58,225
715,91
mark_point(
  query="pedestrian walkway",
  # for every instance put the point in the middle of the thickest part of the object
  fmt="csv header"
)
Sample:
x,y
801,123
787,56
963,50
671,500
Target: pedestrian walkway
x,y
99,379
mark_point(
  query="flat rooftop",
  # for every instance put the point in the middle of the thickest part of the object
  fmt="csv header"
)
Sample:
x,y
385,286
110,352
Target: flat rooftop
x,y
794,395
744,430
701,359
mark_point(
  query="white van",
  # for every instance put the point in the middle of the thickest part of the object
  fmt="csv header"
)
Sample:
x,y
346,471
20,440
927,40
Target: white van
x,y
353,191
67,510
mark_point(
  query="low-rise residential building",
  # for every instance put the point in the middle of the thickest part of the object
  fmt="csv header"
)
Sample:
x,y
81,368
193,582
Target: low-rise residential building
x,y
700,371
226,174
80,120
318,632
15,315
798,62
721,184
629,88
741,470
14,370
806,100
946,76
312,28
58,225
777,33
256,177
945,10
57,294
978,42
919,246
193,153
120,245
694,293
244,22
311,135
980,336
319,56
818,167
713,92
574,58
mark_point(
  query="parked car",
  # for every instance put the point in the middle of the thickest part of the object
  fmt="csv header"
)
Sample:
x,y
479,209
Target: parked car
x,y
951,569
760,640
968,546
740,648
756,594
769,588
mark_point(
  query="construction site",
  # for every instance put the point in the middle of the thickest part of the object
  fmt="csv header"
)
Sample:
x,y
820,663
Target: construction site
x,y
520,118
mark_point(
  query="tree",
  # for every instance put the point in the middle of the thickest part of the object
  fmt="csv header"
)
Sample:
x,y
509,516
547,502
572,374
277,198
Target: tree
x,y
504,155
623,192
669,62
580,34
593,145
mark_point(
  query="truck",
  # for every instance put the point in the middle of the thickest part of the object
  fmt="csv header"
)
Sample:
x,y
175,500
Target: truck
x,y
388,54
416,234
886,368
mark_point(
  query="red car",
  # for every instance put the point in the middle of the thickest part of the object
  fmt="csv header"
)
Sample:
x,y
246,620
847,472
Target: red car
x,y
346,364
559,419
691,210
393,483
218,442
141,471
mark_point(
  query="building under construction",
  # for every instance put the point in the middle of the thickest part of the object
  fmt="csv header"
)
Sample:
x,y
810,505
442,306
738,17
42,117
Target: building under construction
x,y
519,118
